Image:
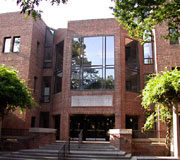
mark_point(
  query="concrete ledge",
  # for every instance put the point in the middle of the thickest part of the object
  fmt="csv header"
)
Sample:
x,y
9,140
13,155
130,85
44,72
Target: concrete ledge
x,y
162,140
42,130
120,131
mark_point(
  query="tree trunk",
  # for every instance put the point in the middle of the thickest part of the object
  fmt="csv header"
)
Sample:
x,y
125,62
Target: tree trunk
x,y
176,131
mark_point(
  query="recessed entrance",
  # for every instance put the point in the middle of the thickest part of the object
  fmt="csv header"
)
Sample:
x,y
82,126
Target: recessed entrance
x,y
95,127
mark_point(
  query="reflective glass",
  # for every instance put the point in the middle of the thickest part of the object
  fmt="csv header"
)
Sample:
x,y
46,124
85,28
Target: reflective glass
x,y
90,58
16,45
132,52
132,65
76,51
109,82
7,45
92,78
92,51
110,50
75,79
132,80
147,50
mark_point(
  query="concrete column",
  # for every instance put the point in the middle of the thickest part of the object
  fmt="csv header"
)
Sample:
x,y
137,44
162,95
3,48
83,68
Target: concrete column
x,y
176,132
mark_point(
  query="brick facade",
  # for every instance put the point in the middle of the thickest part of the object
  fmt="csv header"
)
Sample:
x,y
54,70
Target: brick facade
x,y
30,65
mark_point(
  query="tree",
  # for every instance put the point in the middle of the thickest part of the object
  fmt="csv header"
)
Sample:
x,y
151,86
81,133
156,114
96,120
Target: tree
x,y
13,93
141,17
28,7
160,95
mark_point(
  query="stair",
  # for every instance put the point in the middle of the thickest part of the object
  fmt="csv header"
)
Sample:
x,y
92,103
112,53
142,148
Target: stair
x,y
84,151
96,151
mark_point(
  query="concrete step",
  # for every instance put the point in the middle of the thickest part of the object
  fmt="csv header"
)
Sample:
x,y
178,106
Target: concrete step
x,y
84,151
116,153
98,157
29,157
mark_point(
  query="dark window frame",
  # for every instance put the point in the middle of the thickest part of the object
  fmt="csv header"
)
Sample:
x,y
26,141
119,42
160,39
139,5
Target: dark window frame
x,y
4,44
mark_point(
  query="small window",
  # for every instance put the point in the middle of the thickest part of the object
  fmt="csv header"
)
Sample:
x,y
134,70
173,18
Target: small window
x,y
35,83
148,53
16,44
173,40
33,120
37,48
7,45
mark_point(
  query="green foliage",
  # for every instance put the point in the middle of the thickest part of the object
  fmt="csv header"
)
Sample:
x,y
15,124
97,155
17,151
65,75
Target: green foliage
x,y
13,92
140,17
159,95
28,6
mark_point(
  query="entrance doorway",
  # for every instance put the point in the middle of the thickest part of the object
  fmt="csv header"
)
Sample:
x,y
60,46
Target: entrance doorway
x,y
44,120
95,127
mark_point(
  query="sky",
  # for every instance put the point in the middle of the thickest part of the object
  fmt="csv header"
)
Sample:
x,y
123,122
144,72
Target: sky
x,y
58,16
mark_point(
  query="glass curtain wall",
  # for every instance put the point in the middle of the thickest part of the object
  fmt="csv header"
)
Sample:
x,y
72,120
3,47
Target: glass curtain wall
x,y
92,63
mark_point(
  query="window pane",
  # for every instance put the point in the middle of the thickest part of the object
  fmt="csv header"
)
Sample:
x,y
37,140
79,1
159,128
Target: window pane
x,y
59,56
110,50
37,48
132,65
132,80
109,82
92,51
16,44
76,51
148,58
7,45
75,79
92,78
90,58
147,50
132,52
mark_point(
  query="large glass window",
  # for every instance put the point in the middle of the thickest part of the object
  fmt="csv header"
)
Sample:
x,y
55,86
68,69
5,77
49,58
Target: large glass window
x,y
132,65
58,67
92,63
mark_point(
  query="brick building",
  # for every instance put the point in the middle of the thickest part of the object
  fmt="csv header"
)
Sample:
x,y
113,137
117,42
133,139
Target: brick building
x,y
87,76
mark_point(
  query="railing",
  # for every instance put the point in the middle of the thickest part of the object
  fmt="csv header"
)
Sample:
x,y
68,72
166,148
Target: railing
x,y
64,150
80,136
148,134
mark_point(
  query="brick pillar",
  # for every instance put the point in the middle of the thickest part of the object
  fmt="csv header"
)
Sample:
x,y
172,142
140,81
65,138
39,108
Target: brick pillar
x,y
121,139
65,125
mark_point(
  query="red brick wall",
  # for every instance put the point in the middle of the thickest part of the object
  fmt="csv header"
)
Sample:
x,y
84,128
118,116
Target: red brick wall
x,y
26,61
121,104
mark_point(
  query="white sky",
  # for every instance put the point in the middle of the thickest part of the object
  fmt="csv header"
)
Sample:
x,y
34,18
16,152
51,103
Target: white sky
x,y
57,16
